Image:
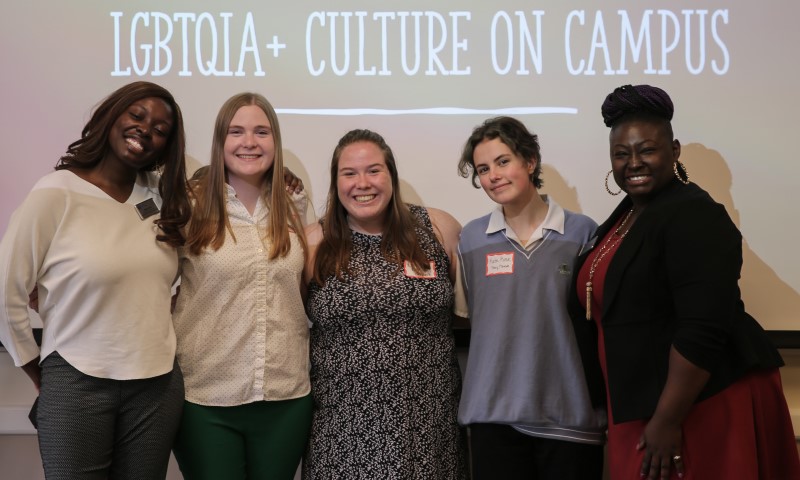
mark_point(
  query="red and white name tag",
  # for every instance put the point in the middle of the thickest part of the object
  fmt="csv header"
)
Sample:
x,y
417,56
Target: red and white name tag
x,y
499,263
411,272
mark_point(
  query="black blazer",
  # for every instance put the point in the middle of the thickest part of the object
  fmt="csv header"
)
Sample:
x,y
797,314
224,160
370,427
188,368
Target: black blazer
x,y
673,281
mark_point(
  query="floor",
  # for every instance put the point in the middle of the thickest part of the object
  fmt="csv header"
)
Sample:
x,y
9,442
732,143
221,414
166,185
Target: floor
x,y
19,458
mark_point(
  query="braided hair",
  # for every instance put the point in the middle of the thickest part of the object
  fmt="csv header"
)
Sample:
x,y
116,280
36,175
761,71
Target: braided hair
x,y
643,100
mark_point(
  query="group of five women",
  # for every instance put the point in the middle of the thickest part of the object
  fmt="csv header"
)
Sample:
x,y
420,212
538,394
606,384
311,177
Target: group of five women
x,y
632,333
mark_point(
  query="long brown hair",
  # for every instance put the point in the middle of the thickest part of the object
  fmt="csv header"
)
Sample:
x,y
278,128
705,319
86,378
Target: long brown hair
x,y
399,241
210,217
89,150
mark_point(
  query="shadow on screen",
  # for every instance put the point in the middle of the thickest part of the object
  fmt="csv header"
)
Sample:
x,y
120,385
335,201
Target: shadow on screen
x,y
556,186
766,296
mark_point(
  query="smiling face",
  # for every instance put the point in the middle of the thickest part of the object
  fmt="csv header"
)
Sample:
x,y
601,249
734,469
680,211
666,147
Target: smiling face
x,y
249,149
139,136
364,186
642,156
504,175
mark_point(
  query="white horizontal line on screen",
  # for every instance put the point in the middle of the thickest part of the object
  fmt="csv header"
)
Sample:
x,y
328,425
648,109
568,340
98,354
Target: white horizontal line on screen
x,y
427,111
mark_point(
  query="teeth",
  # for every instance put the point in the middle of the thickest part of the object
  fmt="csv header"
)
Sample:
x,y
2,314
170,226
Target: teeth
x,y
248,157
364,198
135,145
637,178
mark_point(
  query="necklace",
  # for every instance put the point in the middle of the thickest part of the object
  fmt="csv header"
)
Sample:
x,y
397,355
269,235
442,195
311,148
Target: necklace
x,y
607,246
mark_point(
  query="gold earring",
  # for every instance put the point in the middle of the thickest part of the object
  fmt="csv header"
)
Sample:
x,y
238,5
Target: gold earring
x,y
608,189
678,173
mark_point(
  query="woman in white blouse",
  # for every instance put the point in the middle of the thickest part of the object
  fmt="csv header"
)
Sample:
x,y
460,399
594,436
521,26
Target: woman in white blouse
x,y
239,318
98,237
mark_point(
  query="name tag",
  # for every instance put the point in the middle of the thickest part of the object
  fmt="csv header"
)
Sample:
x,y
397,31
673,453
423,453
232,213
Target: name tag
x,y
411,272
499,263
146,208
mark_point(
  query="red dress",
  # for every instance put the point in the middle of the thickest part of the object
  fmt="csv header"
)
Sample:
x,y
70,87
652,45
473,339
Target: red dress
x,y
744,432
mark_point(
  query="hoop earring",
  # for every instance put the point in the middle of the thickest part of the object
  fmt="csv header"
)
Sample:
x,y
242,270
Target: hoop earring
x,y
675,166
608,189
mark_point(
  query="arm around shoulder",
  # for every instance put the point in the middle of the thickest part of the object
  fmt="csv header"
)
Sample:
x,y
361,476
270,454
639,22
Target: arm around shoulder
x,y
300,200
314,236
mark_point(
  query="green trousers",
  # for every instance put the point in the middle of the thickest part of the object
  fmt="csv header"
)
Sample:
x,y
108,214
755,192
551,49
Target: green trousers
x,y
256,441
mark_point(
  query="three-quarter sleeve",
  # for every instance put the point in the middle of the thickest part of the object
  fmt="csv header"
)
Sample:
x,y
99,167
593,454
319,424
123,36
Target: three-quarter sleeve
x,y
703,255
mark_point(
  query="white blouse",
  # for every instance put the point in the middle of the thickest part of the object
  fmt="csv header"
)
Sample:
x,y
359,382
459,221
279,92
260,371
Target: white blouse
x,y
240,320
104,280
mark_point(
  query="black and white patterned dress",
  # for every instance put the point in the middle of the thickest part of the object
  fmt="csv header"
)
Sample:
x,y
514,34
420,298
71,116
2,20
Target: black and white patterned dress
x,y
384,375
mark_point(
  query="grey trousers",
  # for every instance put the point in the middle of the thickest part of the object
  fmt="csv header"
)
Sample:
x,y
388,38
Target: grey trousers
x,y
96,428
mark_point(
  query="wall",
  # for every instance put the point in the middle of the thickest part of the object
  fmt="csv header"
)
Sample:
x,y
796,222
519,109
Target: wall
x,y
426,115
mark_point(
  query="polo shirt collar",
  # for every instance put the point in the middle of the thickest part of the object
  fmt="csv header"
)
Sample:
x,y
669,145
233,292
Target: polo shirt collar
x,y
554,220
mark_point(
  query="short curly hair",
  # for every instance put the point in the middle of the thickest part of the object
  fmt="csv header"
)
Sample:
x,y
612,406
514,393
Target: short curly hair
x,y
511,132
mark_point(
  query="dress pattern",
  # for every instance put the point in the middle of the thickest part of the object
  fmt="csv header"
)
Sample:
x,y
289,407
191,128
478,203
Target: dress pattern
x,y
384,374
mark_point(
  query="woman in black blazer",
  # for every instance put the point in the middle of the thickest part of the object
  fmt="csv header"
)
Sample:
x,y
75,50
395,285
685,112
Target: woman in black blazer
x,y
691,380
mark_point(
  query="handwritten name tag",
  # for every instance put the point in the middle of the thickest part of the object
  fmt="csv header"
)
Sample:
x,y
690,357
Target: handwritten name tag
x,y
411,272
500,263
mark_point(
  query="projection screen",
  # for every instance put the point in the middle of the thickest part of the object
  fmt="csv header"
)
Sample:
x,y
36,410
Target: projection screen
x,y
423,74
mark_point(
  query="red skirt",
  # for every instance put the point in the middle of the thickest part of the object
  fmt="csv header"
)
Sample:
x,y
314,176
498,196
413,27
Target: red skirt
x,y
744,432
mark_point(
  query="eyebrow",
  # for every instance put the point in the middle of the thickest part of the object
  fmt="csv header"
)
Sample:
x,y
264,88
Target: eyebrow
x,y
643,143
233,125
371,165
494,159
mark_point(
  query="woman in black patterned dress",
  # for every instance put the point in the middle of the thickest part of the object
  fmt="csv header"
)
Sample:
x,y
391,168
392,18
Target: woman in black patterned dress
x,y
384,374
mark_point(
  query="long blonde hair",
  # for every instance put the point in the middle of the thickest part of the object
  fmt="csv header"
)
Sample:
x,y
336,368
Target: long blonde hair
x,y
209,215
